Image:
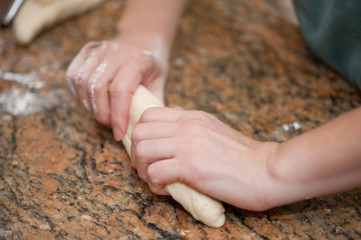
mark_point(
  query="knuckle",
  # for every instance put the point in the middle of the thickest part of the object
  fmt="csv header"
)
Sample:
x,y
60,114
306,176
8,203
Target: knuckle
x,y
96,88
139,150
80,79
115,90
136,133
147,115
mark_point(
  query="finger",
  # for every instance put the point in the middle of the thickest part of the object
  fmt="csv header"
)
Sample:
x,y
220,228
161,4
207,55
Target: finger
x,y
98,91
82,76
138,69
71,71
121,90
145,152
161,114
161,173
92,52
153,130
148,151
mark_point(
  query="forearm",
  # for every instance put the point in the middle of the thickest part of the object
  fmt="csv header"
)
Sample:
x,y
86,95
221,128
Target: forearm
x,y
154,21
322,161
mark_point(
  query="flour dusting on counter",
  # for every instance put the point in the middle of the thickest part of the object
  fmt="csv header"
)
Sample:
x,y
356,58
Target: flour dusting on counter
x,y
30,80
5,233
17,101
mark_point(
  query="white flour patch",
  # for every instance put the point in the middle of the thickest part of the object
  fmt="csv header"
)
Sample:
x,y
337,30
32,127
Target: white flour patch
x,y
30,80
17,101
5,233
93,101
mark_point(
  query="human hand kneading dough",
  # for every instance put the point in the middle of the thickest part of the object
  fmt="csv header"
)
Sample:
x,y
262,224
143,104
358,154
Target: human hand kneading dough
x,y
105,74
194,147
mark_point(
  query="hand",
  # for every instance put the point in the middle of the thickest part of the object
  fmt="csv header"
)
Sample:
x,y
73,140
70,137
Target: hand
x,y
196,148
105,74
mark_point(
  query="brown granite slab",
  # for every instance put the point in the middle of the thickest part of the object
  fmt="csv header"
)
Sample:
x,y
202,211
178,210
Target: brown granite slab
x,y
62,176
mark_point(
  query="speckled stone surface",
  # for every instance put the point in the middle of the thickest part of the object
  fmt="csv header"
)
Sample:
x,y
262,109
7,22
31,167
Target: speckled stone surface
x,y
62,176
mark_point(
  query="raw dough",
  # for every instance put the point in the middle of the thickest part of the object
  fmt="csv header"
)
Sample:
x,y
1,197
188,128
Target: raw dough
x,y
37,15
203,208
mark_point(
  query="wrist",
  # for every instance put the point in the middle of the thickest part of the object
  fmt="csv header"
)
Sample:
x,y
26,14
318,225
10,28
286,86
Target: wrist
x,y
288,180
147,40
155,22
271,181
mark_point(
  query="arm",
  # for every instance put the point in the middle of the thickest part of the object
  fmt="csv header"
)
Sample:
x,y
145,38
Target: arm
x,y
154,20
196,148
322,161
104,75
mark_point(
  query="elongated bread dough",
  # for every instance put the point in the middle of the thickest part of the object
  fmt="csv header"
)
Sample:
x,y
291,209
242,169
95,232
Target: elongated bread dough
x,y
203,208
37,15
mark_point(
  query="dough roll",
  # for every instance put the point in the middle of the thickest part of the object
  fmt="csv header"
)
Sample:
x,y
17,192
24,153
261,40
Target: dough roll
x,y
201,207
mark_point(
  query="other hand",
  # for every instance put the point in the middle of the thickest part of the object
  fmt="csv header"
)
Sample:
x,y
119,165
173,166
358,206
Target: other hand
x,y
104,75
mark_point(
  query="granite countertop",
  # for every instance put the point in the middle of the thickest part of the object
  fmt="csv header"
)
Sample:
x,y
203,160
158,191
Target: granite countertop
x,y
63,176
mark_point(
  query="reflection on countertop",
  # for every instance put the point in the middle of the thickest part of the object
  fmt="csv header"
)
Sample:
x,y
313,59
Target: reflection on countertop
x,y
63,176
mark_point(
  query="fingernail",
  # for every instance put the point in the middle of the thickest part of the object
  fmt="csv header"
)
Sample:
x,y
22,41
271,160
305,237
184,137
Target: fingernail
x,y
117,133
